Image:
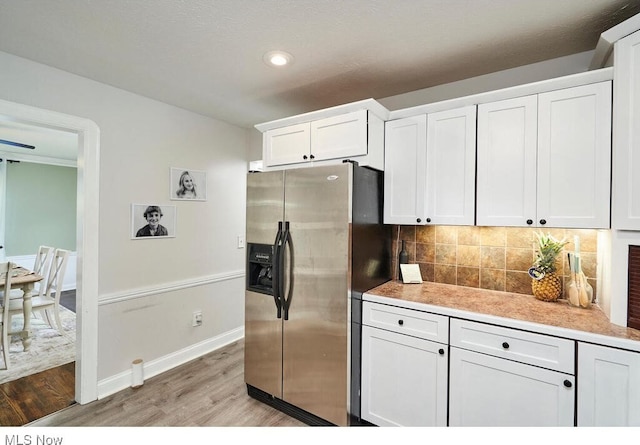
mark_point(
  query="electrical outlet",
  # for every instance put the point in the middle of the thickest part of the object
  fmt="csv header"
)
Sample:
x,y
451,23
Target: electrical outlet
x,y
197,318
240,241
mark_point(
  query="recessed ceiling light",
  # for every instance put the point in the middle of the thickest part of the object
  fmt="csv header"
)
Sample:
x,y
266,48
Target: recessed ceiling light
x,y
277,58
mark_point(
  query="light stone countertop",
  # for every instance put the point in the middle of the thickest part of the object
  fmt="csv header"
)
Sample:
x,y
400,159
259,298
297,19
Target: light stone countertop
x,y
508,309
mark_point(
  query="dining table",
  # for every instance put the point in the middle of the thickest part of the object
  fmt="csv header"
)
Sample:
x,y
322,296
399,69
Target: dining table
x,y
25,280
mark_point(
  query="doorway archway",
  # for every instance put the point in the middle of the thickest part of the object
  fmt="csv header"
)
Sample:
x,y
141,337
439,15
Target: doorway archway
x,y
87,235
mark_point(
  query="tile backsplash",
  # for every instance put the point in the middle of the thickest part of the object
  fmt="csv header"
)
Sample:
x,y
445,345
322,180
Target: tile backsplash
x,y
495,258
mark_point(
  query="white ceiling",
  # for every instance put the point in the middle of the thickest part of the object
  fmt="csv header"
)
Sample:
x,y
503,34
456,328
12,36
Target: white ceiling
x,y
206,55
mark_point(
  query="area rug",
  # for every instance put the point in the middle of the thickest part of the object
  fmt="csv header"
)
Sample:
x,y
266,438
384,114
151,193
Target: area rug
x,y
48,348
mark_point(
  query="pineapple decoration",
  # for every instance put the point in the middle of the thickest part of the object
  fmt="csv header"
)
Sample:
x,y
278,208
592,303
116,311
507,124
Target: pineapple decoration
x,y
546,284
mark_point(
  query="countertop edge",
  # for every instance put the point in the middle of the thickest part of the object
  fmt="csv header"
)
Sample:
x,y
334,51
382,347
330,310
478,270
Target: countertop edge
x,y
555,331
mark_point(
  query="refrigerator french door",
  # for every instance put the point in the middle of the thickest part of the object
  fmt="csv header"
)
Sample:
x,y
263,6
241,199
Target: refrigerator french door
x,y
300,277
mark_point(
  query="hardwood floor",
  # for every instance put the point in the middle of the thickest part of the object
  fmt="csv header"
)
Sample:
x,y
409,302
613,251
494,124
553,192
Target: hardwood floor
x,y
38,395
35,396
208,391
68,299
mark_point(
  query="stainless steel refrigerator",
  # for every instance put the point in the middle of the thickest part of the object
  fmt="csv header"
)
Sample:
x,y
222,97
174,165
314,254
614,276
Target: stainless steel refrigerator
x,y
315,243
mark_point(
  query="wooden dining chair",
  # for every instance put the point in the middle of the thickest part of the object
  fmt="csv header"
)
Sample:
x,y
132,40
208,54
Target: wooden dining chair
x,y
47,303
5,297
40,267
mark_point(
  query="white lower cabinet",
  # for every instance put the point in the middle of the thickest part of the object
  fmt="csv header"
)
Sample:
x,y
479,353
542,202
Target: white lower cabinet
x,y
404,377
496,378
490,391
608,386
426,369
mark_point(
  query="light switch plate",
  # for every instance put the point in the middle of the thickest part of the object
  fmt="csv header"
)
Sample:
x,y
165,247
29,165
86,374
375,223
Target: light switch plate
x,y
240,241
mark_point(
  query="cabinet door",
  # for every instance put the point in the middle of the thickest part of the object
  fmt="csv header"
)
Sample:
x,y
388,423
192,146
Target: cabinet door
x,y
608,386
507,146
451,167
287,145
341,136
490,391
574,157
405,148
404,379
626,135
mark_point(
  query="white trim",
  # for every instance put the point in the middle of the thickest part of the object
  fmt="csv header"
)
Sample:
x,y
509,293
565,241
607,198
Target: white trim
x,y
3,205
38,159
87,235
607,39
118,297
368,104
542,86
121,381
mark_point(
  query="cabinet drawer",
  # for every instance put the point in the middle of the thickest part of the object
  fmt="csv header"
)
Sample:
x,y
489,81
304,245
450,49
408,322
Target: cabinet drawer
x,y
406,321
534,349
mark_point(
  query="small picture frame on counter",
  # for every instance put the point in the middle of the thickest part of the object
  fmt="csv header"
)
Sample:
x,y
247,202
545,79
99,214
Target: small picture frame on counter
x,y
411,273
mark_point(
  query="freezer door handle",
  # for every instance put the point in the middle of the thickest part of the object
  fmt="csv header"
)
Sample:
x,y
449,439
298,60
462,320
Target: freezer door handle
x,y
277,253
288,241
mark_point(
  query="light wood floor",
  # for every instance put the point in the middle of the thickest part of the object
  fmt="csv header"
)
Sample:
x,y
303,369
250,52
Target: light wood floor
x,y
208,391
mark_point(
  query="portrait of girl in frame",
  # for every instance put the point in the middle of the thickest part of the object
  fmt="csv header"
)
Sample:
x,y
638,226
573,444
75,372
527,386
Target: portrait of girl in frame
x,y
188,185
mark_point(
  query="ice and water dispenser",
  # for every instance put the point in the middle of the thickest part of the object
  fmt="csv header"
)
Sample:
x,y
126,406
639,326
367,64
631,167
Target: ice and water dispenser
x,y
260,268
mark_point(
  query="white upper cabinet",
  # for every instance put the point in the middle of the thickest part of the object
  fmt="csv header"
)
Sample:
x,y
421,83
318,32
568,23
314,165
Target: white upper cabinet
x,y
339,136
405,142
331,138
626,136
287,145
507,146
544,160
430,168
574,157
352,131
451,165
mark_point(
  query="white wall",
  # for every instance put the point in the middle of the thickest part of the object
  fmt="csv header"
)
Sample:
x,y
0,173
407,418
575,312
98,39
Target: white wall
x,y
148,289
548,69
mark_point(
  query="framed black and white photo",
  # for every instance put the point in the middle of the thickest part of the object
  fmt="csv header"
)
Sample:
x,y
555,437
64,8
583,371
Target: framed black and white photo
x,y
188,185
150,221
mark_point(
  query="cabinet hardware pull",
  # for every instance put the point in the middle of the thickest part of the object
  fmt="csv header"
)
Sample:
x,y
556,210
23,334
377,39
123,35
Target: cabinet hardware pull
x,y
312,157
505,345
428,219
304,156
441,351
529,221
418,220
400,322
543,221
567,383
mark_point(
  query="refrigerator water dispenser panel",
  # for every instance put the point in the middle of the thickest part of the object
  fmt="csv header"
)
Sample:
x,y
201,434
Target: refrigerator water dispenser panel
x,y
259,268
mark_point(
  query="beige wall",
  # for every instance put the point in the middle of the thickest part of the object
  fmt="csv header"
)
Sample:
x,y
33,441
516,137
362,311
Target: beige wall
x,y
149,289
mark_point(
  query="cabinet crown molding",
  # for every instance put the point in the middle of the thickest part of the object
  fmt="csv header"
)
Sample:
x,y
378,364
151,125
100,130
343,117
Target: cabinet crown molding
x,y
371,105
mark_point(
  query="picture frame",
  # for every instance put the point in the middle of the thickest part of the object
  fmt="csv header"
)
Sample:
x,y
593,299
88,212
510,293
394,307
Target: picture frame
x,y
188,185
142,220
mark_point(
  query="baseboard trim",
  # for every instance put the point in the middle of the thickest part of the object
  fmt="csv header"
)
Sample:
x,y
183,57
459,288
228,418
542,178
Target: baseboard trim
x,y
118,382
